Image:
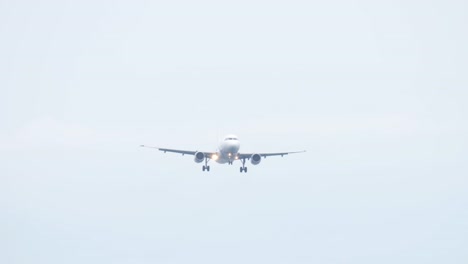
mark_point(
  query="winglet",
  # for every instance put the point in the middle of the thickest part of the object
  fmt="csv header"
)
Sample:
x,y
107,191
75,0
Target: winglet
x,y
144,146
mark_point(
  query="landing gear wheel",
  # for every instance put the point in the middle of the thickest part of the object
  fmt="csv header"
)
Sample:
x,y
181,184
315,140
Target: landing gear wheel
x,y
206,167
243,168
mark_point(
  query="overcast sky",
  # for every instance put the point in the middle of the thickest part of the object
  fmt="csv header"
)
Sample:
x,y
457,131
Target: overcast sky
x,y
375,91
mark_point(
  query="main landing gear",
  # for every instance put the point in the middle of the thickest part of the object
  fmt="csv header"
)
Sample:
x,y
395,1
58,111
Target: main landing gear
x,y
243,168
206,167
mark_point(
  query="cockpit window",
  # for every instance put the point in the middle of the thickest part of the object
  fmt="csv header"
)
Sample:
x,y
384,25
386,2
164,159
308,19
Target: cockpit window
x,y
231,138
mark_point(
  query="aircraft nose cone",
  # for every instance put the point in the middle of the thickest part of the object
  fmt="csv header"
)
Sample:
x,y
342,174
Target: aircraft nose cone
x,y
233,148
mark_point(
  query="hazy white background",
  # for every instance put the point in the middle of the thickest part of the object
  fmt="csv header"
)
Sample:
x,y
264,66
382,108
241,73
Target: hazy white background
x,y
376,91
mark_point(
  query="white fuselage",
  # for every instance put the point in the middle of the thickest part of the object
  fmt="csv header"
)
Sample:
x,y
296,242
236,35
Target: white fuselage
x,y
228,150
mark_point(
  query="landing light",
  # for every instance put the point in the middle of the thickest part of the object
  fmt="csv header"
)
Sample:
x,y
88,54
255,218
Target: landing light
x,y
214,157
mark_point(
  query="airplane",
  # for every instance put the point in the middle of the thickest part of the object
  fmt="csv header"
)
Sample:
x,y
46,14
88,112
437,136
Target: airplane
x,y
228,152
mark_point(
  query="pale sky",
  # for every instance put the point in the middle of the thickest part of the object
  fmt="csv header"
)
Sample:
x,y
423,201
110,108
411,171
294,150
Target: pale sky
x,y
375,91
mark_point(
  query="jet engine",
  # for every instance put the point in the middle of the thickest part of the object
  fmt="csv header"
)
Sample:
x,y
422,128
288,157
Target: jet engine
x,y
255,159
199,157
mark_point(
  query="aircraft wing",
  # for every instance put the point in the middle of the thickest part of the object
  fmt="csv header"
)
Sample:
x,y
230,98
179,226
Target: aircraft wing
x,y
183,152
248,155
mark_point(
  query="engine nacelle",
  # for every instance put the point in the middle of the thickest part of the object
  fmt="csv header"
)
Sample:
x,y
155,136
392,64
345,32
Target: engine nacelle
x,y
255,159
199,157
